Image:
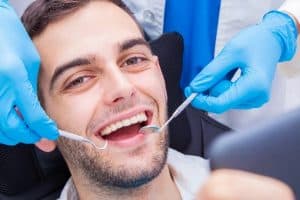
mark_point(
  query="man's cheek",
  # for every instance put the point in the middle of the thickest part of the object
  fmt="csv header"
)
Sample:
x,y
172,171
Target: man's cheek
x,y
70,116
76,119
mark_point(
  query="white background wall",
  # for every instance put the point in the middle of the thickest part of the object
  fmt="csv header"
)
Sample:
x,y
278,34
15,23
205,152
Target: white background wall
x,y
291,74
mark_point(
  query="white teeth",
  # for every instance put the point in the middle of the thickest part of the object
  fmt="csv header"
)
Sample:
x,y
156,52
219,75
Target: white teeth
x,y
123,123
126,122
119,125
106,131
114,127
135,119
144,117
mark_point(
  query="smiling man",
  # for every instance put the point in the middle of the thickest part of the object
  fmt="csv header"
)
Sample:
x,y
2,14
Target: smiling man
x,y
99,79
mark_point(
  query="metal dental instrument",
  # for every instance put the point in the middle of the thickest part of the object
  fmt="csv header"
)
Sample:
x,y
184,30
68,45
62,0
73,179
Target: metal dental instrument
x,y
73,136
156,129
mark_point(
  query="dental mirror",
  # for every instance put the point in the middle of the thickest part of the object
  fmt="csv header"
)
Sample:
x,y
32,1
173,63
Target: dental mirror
x,y
75,137
156,129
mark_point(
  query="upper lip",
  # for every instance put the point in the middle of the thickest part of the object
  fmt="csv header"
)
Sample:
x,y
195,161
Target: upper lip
x,y
124,115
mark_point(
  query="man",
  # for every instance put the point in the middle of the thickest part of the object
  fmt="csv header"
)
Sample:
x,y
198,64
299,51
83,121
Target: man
x,y
99,79
19,60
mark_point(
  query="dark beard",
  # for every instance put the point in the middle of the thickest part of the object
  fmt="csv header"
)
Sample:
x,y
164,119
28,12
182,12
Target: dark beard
x,y
101,173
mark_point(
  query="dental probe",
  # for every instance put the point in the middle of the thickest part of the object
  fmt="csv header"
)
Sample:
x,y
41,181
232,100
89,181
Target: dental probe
x,y
73,136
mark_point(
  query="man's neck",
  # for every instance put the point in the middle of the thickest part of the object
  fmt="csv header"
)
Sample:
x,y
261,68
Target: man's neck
x,y
162,187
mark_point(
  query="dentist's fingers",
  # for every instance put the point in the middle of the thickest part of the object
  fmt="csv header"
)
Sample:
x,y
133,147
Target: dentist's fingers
x,y
217,70
34,115
17,130
227,100
220,88
13,129
6,140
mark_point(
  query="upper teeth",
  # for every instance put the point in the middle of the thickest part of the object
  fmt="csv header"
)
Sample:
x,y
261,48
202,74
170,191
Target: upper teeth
x,y
123,123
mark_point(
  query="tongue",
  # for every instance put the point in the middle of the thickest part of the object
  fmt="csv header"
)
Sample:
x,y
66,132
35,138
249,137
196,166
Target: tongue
x,y
124,133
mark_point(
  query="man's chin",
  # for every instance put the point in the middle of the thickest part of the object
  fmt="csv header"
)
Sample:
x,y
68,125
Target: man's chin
x,y
136,176
139,167
125,169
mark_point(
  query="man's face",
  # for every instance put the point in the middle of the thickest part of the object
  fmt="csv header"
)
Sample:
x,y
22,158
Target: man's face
x,y
99,79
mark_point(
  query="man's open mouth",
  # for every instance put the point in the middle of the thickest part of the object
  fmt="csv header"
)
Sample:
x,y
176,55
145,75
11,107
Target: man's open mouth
x,y
125,128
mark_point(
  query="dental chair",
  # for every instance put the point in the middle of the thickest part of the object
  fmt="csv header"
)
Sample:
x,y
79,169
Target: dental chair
x,y
193,130
26,173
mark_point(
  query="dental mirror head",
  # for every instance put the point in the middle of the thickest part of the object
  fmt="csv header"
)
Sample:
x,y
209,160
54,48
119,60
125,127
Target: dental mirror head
x,y
79,138
156,129
150,129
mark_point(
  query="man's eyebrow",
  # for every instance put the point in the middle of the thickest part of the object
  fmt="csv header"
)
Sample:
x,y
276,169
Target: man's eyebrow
x,y
127,44
66,66
133,42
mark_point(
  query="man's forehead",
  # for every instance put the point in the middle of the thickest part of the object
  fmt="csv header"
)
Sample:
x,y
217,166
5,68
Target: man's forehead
x,y
96,15
98,22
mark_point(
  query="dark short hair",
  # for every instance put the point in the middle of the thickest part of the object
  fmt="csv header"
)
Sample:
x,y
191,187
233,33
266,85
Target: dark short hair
x,y
42,12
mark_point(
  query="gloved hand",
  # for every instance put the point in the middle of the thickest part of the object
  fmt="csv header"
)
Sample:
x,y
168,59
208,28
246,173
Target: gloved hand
x,y
19,65
256,52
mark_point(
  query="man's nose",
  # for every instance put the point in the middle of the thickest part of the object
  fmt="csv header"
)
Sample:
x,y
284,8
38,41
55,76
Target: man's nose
x,y
119,88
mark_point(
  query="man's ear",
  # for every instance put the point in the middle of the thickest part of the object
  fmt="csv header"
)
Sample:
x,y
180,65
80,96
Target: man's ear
x,y
46,145
156,61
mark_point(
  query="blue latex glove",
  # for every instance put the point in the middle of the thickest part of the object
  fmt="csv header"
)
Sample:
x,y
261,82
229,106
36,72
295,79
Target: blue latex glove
x,y
256,52
19,65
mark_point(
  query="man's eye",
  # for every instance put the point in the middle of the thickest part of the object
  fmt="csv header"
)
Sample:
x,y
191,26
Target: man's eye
x,y
78,82
134,61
